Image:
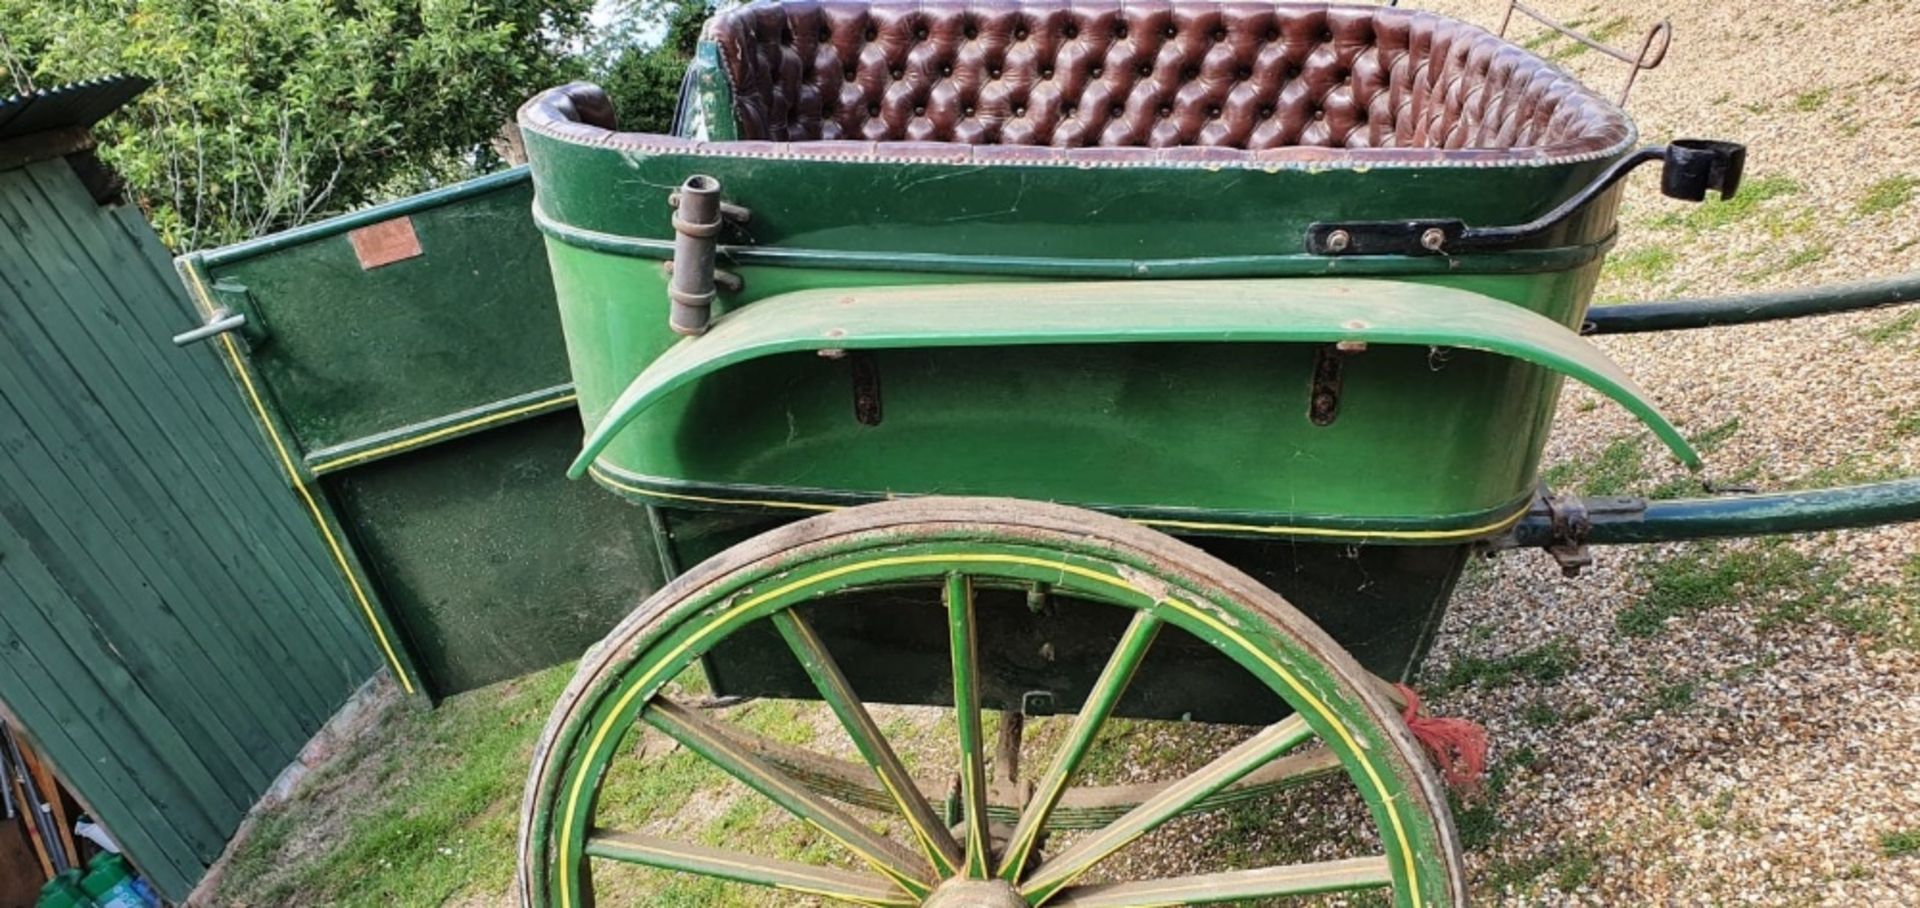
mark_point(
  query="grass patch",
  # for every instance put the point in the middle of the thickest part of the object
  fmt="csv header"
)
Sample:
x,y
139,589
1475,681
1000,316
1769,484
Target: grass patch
x,y
1717,213
1602,33
1562,868
1887,195
1713,576
1617,468
1856,467
1671,699
1716,816
1641,265
1540,714
1542,664
1906,423
1900,843
437,817
1893,329
1712,438
1800,258
1810,101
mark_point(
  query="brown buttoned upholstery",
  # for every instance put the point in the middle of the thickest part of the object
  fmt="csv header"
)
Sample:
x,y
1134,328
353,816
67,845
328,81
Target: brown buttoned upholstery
x,y
1156,74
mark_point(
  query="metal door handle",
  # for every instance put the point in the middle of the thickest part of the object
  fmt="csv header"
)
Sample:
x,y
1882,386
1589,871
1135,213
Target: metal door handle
x,y
220,322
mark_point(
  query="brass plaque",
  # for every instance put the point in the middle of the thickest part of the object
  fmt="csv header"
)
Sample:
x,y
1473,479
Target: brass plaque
x,y
385,243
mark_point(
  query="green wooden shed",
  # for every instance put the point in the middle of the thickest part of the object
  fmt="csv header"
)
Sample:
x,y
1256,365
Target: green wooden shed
x,y
171,631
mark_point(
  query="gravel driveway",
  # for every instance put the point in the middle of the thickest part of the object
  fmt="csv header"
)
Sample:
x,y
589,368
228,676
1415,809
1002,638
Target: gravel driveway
x,y
1758,743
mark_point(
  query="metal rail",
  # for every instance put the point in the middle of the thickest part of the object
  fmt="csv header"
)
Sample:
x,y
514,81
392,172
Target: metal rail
x,y
1648,58
1706,312
1619,521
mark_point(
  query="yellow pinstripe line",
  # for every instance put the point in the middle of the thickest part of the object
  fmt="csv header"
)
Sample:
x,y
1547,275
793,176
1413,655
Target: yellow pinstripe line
x,y
293,474
935,856
419,440
799,872
1329,532
605,727
906,882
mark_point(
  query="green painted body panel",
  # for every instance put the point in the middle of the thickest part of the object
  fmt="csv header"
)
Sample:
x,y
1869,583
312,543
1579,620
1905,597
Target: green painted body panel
x,y
426,411
1429,445
1009,317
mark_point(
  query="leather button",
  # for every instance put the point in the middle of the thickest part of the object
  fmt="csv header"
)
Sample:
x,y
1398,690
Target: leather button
x,y
946,70
1020,34
897,73
1213,113
1266,113
1046,72
1219,35
1020,111
1094,73
1116,110
851,75
919,111
1146,69
1165,111
993,72
920,34
1172,31
1069,32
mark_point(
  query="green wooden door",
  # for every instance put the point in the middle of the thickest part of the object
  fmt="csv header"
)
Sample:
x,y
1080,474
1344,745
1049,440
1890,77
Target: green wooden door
x,y
171,632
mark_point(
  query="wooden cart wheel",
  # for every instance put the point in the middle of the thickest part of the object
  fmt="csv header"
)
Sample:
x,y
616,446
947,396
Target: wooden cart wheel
x,y
953,545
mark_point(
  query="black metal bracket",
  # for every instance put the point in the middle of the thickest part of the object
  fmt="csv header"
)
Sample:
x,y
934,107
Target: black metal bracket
x,y
1690,168
1567,515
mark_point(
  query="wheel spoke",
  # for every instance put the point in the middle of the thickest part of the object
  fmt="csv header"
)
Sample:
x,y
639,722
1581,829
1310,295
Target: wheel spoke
x,y
1300,879
631,848
714,743
1100,702
966,709
1170,802
870,742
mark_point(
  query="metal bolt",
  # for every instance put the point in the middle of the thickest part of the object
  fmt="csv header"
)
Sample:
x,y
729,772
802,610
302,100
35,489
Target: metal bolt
x,y
1433,239
1338,241
833,353
1351,346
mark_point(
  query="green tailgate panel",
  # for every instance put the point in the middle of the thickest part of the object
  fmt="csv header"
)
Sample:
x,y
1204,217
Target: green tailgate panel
x,y
409,359
497,564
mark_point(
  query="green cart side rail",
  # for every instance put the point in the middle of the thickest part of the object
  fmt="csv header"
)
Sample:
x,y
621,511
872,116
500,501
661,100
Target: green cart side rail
x,y
1353,312
405,365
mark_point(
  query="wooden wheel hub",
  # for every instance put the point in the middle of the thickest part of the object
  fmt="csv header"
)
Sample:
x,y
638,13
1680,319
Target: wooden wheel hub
x,y
975,894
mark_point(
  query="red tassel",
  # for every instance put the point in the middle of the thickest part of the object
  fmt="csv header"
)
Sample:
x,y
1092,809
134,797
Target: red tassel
x,y
1458,746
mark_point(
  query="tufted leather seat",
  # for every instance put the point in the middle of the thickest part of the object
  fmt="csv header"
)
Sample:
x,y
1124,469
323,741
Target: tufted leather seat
x,y
1240,74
